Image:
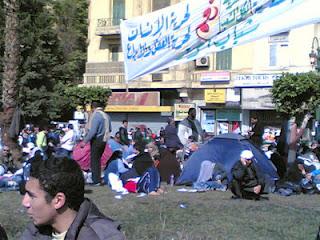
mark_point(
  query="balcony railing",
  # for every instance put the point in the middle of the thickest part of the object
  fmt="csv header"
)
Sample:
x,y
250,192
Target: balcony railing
x,y
105,67
104,79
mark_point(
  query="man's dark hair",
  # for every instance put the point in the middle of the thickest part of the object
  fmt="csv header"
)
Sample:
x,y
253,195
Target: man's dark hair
x,y
3,235
140,146
96,104
60,174
124,121
190,110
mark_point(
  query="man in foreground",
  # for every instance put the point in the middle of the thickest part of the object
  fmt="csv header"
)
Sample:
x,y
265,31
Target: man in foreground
x,y
247,183
54,199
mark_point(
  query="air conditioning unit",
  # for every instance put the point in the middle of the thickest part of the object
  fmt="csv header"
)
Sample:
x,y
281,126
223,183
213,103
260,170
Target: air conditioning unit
x,y
202,62
157,77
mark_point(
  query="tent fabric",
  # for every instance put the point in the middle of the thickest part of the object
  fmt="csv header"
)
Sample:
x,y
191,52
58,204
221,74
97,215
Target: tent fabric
x,y
225,149
82,156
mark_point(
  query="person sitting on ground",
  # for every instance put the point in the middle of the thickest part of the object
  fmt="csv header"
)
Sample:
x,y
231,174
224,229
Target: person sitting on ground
x,y
114,165
6,161
54,199
309,166
143,167
154,153
190,147
247,183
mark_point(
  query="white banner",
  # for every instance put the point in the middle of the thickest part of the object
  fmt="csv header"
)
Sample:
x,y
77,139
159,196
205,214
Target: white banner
x,y
196,28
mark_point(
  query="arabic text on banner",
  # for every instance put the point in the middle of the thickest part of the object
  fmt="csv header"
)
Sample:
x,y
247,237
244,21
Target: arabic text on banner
x,y
196,28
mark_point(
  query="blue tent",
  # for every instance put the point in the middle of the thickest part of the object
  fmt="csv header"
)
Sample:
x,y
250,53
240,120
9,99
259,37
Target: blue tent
x,y
225,149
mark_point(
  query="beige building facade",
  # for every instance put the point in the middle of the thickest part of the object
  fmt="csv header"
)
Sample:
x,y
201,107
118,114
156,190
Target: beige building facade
x,y
225,87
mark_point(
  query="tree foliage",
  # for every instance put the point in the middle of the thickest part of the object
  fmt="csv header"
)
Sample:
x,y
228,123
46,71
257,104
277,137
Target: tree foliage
x,y
294,94
72,29
53,37
83,95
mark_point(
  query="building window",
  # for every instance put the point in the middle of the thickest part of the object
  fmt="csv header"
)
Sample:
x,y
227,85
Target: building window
x,y
159,4
114,50
224,60
279,50
118,11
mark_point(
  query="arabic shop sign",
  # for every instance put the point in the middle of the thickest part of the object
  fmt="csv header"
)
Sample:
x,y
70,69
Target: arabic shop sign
x,y
255,80
215,77
181,110
195,28
215,95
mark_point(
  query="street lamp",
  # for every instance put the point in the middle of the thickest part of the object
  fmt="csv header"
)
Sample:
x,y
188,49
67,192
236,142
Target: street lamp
x,y
315,54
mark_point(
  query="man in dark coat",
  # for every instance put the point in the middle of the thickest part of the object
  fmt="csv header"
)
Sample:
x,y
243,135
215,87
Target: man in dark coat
x,y
256,131
247,182
55,202
171,139
123,130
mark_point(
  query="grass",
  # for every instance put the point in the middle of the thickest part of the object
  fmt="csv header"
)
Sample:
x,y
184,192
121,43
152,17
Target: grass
x,y
209,215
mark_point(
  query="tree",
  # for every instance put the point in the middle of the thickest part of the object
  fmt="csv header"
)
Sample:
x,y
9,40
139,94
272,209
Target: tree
x,y
53,53
83,95
294,94
72,29
41,60
11,60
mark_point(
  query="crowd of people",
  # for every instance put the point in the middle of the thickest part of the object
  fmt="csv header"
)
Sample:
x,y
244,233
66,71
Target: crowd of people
x,y
133,160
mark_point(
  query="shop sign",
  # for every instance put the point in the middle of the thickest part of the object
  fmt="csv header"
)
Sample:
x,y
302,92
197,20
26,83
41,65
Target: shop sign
x,y
228,115
255,80
257,98
181,110
135,108
215,95
134,98
215,77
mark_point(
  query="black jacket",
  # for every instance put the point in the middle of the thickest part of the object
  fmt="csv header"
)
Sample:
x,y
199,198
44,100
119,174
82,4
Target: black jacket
x,y
124,140
248,176
89,223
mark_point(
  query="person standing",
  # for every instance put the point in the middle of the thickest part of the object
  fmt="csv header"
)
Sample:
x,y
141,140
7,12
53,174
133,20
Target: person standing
x,y
99,133
293,136
54,200
123,130
171,139
67,141
190,126
41,140
256,131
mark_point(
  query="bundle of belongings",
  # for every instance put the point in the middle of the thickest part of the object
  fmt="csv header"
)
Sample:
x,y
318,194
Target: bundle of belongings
x,y
309,166
212,176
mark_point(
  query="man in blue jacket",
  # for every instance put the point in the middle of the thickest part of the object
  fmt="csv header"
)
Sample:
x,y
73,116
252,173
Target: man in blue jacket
x,y
99,133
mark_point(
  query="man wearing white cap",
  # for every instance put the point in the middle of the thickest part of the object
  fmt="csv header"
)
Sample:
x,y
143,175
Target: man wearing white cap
x,y
247,183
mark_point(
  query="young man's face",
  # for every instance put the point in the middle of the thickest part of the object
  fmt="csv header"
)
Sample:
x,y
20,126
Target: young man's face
x,y
41,212
193,114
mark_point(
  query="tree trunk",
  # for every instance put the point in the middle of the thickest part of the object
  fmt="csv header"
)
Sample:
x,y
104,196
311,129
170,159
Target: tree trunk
x,y
10,73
